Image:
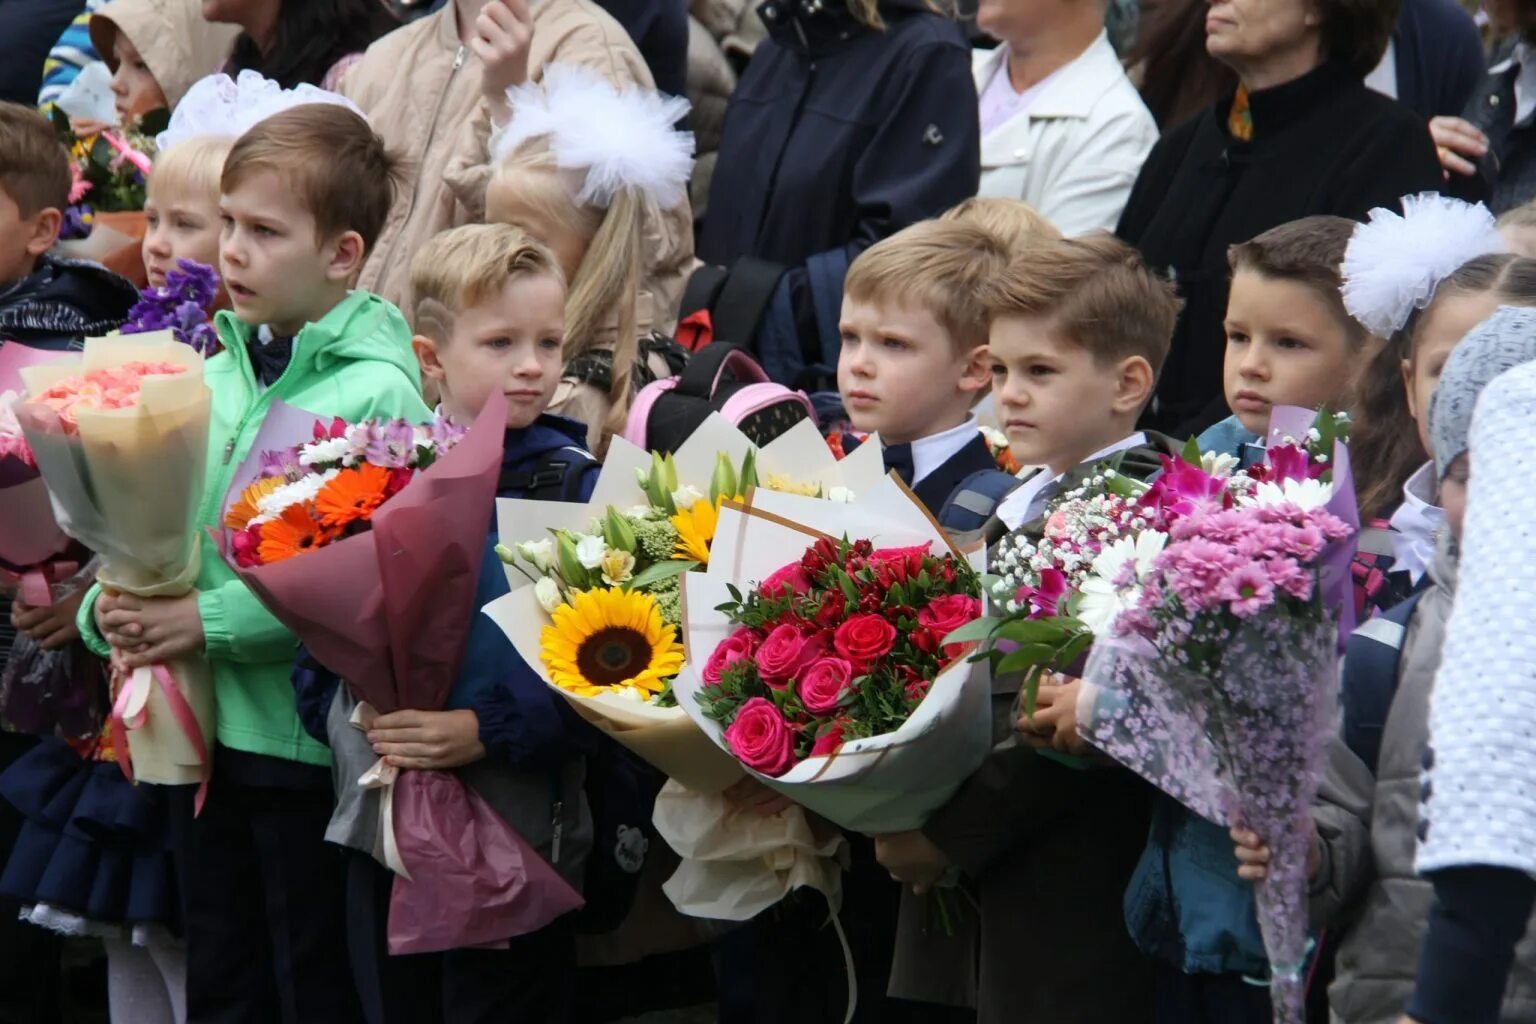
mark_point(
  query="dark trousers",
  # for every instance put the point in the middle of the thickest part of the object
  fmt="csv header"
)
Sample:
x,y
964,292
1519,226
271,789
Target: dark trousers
x,y
528,982
29,956
263,901
1210,999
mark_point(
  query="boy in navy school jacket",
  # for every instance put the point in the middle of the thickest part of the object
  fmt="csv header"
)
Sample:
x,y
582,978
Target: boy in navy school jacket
x,y
489,312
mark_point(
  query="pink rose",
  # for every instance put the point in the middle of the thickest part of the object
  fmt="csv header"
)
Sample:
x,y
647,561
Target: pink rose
x,y
830,739
738,646
792,576
761,739
946,614
864,638
784,654
824,684
900,554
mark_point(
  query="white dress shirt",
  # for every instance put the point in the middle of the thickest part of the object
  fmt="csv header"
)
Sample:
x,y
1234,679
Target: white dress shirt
x,y
1030,498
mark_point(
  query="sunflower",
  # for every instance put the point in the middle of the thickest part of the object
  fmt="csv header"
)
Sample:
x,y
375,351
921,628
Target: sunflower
x,y
696,530
606,640
296,532
352,494
244,508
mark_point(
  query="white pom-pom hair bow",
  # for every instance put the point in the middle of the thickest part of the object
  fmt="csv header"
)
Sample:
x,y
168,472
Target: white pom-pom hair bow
x,y
224,107
1394,263
619,137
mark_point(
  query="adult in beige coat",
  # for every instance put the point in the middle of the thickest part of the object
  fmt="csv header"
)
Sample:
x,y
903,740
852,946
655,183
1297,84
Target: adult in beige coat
x,y
423,88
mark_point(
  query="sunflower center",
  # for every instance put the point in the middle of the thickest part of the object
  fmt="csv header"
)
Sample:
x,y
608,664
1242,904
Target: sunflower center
x,y
613,655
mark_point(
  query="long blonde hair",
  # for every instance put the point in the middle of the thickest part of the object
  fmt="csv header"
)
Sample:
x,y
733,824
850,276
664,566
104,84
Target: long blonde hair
x,y
608,277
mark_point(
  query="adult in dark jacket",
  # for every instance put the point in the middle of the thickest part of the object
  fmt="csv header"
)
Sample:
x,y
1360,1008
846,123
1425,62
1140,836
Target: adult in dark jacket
x,y
854,119
1436,58
1300,135
28,30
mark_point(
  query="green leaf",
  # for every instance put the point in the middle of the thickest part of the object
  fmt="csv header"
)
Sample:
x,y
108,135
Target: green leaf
x,y
850,591
981,629
154,122
1025,659
1191,453
749,470
1034,631
660,572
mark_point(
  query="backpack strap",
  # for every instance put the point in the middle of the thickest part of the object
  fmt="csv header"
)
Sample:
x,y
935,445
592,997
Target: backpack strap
x,y
594,367
972,503
556,477
701,377
1371,660
739,306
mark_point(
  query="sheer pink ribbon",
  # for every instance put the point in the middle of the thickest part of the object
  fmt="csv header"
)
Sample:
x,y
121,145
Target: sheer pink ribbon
x,y
131,710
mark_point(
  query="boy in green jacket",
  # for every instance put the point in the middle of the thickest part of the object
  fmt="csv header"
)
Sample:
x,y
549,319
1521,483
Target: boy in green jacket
x,y
305,193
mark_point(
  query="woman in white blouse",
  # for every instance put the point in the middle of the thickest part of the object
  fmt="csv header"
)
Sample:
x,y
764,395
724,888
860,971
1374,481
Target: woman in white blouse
x,y
1062,127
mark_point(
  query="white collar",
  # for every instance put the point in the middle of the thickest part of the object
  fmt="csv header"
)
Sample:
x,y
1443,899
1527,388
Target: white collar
x,y
1028,499
1072,89
1525,81
931,452
1416,524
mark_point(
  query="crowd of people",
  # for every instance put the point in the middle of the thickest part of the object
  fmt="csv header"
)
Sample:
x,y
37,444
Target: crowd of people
x,y
1100,229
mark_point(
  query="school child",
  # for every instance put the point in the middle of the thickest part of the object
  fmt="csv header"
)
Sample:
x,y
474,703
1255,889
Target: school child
x,y
1518,227
304,195
437,88
156,49
181,207
1013,220
1363,878
568,178
913,363
1290,341
1078,332
45,301
488,314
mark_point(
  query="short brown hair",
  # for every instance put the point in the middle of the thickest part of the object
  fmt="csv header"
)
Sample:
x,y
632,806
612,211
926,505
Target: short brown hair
x,y
1355,32
1309,252
334,161
463,267
939,266
1012,220
1099,293
34,166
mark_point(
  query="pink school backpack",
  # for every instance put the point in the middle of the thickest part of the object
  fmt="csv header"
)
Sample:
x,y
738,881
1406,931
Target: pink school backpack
x,y
718,378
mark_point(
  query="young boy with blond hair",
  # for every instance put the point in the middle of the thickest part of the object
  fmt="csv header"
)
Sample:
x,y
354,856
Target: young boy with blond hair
x,y
488,303
913,362
1012,220
1079,330
181,206
304,195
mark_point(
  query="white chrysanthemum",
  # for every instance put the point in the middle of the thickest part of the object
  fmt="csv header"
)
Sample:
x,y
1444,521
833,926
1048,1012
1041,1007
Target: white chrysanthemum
x,y
1304,494
1103,597
319,453
1218,464
304,489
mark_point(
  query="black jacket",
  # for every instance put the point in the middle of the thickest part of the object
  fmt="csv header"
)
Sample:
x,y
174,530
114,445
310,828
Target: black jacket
x,y
1323,144
62,302
1506,175
1438,56
836,137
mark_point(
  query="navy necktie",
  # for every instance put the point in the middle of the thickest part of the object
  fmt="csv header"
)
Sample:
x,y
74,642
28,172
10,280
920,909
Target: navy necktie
x,y
898,459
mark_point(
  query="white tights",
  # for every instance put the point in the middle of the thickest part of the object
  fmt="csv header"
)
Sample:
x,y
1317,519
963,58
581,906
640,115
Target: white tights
x,y
147,984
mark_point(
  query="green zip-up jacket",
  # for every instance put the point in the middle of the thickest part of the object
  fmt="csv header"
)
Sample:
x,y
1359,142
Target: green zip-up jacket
x,y
356,363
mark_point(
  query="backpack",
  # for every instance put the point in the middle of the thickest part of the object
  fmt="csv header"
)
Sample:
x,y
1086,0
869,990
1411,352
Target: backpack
x,y
621,794
556,477
656,351
718,378
972,503
1371,660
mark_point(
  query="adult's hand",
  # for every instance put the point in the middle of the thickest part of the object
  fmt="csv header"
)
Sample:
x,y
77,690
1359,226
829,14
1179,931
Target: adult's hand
x,y
1458,144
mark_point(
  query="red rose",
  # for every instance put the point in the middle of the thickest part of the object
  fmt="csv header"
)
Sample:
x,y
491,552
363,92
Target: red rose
x,y
833,605
398,478
830,739
739,645
924,640
864,638
946,614
824,684
792,576
784,654
761,739
900,554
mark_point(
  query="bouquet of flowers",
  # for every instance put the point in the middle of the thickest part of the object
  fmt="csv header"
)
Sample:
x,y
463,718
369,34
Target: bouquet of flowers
x,y
120,435
602,618
366,540
113,166
1216,680
41,692
181,307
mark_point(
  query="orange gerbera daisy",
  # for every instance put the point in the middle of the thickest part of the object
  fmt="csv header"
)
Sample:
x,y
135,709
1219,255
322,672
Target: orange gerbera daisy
x,y
295,532
352,495
243,509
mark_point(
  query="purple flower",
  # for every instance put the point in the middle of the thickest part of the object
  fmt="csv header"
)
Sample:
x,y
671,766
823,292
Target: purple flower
x,y
445,433
283,463
1184,488
391,444
180,306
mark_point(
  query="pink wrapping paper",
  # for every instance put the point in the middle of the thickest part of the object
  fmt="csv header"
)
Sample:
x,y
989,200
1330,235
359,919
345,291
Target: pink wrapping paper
x,y
474,881
30,538
389,611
